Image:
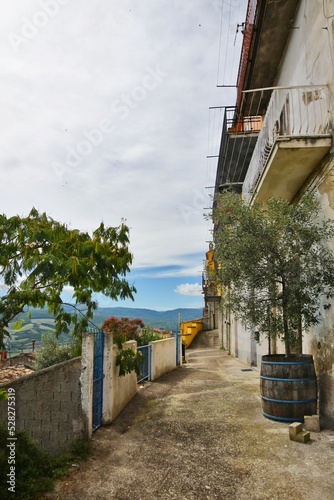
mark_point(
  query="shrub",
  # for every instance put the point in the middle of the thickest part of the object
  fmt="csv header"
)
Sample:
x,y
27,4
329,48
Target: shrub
x,y
147,335
128,360
52,352
123,329
35,469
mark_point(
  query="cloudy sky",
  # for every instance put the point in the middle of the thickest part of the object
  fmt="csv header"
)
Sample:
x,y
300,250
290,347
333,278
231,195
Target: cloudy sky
x,y
105,116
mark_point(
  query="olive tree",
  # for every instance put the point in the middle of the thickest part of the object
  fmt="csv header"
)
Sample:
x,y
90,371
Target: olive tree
x,y
275,263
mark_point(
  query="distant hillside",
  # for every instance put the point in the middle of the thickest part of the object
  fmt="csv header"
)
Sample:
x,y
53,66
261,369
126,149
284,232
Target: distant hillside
x,y
41,321
158,319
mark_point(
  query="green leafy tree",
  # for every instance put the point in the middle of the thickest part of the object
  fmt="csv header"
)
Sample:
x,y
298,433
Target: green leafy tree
x,y
274,263
40,257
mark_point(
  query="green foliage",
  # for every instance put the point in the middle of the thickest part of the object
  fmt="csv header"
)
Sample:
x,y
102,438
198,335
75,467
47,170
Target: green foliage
x,y
3,394
35,470
39,257
52,352
125,329
274,263
128,360
147,335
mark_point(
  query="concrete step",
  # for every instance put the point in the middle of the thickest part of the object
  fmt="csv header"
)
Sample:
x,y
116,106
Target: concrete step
x,y
208,338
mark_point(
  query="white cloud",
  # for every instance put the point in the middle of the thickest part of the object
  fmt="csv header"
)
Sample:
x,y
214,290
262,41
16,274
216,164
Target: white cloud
x,y
189,289
141,73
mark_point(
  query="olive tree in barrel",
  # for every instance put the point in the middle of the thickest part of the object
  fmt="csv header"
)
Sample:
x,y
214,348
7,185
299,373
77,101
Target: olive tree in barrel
x,y
277,269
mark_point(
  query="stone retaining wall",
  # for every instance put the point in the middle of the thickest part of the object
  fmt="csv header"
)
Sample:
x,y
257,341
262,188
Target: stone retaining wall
x,y
48,405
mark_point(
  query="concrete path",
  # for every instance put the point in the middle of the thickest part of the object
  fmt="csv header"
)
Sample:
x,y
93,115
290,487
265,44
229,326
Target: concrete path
x,y
198,433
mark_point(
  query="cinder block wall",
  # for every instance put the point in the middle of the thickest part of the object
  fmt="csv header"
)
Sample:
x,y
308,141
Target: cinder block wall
x,y
48,405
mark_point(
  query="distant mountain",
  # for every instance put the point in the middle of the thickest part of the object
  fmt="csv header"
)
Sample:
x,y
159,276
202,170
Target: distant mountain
x,y
41,321
167,320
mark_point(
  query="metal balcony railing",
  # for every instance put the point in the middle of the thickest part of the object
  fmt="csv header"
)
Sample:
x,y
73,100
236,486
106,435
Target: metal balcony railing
x,y
239,132
294,112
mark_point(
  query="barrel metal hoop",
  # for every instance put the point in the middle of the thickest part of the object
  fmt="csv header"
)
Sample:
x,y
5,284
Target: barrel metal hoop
x,y
288,379
283,419
287,362
289,401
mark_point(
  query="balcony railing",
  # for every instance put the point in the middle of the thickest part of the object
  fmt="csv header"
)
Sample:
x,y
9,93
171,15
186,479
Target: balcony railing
x,y
208,285
235,150
292,113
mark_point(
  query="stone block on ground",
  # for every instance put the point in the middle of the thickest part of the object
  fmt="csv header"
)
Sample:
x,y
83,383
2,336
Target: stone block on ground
x,y
302,437
295,429
312,423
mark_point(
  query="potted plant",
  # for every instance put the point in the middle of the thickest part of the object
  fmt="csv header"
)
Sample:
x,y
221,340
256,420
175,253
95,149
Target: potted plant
x,y
278,271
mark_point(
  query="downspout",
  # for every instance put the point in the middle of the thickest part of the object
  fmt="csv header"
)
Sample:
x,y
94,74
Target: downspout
x,y
228,323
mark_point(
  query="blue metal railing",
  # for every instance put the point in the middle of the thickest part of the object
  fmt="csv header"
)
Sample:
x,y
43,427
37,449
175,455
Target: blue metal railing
x,y
146,365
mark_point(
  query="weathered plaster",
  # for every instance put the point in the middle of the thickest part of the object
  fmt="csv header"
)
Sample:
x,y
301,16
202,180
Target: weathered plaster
x,y
326,187
322,349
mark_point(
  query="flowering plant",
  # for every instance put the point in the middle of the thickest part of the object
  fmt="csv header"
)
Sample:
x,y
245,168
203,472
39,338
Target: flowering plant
x,y
123,329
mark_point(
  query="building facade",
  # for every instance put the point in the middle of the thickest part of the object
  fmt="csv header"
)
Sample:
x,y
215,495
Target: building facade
x,y
277,142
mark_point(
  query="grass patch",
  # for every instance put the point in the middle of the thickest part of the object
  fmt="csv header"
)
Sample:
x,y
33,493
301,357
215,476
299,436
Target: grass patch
x,y
35,470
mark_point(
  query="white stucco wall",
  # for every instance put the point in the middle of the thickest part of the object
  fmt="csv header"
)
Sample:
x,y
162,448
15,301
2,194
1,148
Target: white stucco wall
x,y
163,356
123,388
86,379
308,58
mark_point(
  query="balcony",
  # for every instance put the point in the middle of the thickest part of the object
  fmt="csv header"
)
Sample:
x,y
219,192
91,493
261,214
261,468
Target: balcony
x,y
210,290
295,136
239,135
260,57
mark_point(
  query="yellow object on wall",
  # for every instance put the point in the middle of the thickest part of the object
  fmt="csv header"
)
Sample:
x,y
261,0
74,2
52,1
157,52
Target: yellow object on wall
x,y
189,330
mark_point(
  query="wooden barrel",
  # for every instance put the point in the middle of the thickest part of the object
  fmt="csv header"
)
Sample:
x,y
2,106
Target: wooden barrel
x,y
288,387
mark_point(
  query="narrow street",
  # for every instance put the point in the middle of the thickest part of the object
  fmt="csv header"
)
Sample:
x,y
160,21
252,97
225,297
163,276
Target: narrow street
x,y
198,433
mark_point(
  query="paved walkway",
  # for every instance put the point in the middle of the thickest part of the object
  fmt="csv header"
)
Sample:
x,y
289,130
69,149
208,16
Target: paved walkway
x,y
198,433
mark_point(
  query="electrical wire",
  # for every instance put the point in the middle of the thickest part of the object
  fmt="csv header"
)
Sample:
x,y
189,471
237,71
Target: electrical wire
x,y
227,32
220,40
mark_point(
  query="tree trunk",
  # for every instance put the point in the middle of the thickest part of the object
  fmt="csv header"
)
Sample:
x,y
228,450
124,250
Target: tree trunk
x,y
300,336
285,321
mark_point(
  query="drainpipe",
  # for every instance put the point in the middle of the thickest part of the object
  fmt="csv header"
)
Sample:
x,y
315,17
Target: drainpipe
x,y
228,324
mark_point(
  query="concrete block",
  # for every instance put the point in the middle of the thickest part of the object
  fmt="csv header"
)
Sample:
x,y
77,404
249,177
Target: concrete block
x,y
312,423
295,429
302,437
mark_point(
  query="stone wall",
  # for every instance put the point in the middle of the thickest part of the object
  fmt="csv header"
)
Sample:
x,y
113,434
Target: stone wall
x,y
48,405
